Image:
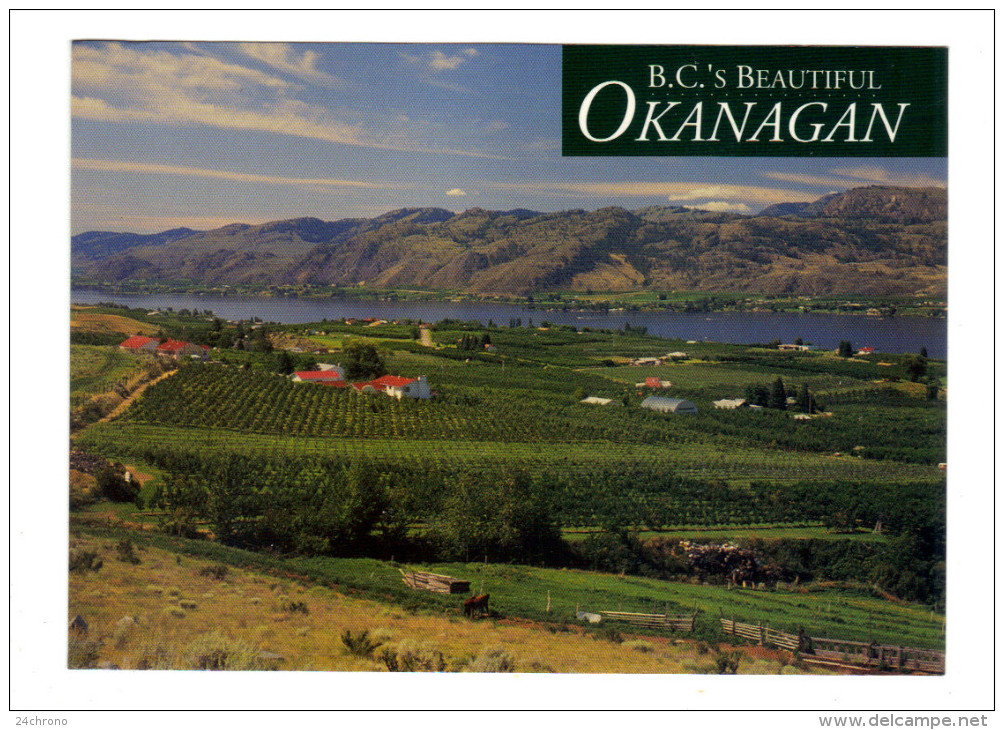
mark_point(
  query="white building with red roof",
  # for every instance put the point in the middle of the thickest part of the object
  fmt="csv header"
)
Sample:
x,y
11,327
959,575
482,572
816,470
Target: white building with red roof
x,y
177,348
139,343
397,387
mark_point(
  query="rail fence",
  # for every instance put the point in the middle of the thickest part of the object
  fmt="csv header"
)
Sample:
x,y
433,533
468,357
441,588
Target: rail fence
x,y
684,623
857,653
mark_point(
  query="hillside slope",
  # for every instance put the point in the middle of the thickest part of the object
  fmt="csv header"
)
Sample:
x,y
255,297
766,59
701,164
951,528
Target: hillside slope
x,y
878,240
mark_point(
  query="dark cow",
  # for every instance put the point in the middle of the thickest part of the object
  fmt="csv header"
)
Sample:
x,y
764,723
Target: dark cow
x,y
478,605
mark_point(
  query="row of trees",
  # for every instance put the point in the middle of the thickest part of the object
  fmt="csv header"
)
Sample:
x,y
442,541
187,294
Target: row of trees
x,y
776,396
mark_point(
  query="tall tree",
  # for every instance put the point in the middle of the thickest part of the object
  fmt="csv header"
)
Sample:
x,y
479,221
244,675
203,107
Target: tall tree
x,y
778,395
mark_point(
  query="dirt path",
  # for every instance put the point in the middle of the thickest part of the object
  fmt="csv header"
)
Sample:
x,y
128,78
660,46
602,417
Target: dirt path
x,y
427,337
120,408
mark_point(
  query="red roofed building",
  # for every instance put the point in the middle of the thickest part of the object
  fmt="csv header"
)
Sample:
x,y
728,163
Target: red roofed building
x,y
324,377
396,387
139,343
653,383
177,348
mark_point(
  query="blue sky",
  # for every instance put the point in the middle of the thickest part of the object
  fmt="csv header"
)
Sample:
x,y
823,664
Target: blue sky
x,y
205,134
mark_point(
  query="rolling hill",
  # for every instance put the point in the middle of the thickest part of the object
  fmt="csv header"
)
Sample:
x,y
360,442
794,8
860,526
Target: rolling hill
x,y
877,240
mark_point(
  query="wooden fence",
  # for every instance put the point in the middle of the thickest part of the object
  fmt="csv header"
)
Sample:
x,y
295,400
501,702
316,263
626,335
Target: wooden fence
x,y
434,582
653,620
856,653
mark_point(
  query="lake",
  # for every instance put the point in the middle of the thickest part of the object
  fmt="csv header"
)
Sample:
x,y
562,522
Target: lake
x,y
885,334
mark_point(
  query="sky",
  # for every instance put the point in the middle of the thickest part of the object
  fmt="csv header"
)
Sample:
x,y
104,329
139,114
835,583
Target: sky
x,y
205,134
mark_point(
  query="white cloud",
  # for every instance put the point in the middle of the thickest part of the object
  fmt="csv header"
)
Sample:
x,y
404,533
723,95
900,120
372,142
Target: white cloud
x,y
283,57
705,192
849,177
456,192
678,190
126,84
437,61
84,163
721,206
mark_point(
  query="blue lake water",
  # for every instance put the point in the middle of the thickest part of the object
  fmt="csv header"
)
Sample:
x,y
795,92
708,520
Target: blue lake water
x,y
885,334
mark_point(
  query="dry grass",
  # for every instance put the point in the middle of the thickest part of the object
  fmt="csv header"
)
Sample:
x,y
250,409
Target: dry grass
x,y
86,321
162,614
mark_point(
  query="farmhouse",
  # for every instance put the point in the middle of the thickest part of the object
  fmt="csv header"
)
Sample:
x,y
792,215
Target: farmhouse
x,y
328,367
677,355
596,401
323,377
646,361
397,387
138,343
795,348
668,405
177,348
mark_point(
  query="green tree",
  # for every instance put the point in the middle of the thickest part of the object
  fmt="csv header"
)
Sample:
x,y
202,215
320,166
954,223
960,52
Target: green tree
x,y
932,388
804,399
778,395
363,361
284,363
916,366
845,349
758,395
496,515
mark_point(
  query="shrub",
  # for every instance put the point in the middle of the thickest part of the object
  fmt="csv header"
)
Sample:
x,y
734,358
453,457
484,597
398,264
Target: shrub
x,y
727,662
360,645
294,606
83,489
82,561
611,634
125,552
82,654
493,659
218,572
410,657
217,652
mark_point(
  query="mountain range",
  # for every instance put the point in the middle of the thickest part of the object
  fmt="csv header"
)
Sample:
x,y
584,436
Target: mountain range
x,y
876,240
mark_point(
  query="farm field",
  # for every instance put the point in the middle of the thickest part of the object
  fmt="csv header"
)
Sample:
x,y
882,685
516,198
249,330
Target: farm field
x,y
126,439
92,319
521,592
95,370
506,479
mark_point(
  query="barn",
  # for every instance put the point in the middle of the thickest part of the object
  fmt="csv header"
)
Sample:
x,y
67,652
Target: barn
x,y
668,405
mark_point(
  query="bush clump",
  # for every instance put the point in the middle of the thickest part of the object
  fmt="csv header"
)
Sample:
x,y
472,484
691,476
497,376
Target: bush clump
x,y
360,644
83,561
126,553
218,572
82,654
493,659
294,606
411,657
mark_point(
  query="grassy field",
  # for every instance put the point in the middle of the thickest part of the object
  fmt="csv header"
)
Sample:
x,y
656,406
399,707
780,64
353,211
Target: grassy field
x,y
521,592
88,319
164,612
697,460
95,370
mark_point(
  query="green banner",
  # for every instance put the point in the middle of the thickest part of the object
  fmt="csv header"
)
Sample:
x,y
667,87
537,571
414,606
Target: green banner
x,y
758,101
